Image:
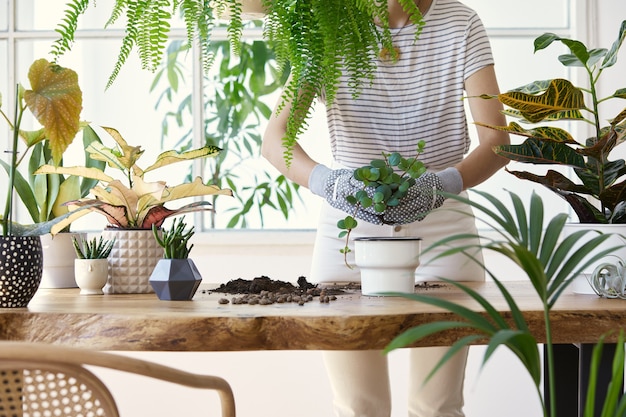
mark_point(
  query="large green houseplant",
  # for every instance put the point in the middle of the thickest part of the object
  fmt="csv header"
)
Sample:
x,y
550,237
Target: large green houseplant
x,y
551,262
599,193
318,40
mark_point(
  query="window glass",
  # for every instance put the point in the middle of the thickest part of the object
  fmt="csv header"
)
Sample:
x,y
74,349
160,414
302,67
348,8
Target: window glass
x,y
4,14
46,14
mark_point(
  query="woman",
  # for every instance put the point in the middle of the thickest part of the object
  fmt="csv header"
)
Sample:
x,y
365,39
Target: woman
x,y
416,98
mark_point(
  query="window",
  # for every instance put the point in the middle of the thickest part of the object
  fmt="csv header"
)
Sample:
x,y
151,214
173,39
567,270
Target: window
x,y
27,31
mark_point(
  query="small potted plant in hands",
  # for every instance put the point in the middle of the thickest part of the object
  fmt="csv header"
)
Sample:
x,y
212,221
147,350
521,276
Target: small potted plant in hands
x,y
91,266
175,277
386,263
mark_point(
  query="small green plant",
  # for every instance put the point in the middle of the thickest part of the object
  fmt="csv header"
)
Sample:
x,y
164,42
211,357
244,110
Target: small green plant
x,y
94,248
383,187
175,241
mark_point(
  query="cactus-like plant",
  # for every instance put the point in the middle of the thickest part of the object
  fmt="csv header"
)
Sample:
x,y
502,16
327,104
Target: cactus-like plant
x,y
175,241
93,249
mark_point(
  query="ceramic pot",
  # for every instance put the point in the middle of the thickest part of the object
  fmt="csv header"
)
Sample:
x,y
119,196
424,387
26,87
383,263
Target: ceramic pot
x,y
91,275
58,260
133,257
175,279
21,265
387,264
582,283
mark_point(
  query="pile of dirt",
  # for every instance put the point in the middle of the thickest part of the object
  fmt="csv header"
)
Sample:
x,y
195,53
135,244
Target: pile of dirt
x,y
264,291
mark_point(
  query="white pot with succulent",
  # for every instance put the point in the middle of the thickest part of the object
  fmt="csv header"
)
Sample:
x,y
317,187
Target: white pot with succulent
x,y
132,209
91,266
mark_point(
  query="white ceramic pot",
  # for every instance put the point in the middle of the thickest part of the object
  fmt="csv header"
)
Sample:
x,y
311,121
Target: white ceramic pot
x,y
58,260
91,275
581,284
387,264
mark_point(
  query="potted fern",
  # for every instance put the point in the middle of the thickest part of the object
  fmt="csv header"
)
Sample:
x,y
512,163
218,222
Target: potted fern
x,y
175,277
317,40
91,266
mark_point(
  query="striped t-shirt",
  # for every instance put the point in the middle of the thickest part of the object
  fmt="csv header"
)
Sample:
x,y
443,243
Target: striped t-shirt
x,y
418,97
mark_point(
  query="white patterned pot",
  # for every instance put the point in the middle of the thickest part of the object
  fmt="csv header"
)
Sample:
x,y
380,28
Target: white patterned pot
x,y
134,255
387,264
21,264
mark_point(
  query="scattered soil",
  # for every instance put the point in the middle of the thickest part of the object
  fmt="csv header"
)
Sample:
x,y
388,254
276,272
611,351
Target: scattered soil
x,y
264,291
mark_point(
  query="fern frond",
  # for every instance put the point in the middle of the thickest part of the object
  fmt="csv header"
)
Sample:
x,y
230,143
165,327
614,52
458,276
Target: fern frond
x,y
67,28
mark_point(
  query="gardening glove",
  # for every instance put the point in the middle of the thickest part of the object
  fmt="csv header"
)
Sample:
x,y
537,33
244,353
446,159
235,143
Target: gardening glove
x,y
424,196
335,186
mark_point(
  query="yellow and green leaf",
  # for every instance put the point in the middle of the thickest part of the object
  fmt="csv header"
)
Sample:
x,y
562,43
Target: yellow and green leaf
x,y
56,102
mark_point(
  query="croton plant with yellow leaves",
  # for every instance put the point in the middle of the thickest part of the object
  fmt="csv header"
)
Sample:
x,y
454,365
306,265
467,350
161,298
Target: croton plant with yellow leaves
x,y
137,204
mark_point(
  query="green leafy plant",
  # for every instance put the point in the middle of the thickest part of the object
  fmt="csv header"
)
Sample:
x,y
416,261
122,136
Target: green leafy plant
x,y
175,241
317,39
599,178
55,101
138,204
92,249
234,107
385,182
550,263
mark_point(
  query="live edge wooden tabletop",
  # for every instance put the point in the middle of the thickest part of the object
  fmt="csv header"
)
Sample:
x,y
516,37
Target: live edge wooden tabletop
x,y
143,322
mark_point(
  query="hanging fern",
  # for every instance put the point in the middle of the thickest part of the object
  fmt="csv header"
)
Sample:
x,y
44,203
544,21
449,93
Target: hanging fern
x,y
67,27
317,40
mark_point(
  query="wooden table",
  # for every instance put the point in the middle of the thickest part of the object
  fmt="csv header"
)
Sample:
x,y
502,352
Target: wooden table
x,y
138,322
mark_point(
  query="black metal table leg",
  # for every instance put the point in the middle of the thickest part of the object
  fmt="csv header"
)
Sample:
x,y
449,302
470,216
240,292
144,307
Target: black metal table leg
x,y
571,366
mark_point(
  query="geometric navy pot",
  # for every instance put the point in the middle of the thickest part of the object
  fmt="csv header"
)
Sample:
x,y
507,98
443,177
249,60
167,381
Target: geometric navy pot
x,y
175,279
21,266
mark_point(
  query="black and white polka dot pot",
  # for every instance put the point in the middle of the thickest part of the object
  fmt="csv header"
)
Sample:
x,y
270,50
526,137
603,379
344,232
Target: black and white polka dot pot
x,y
21,265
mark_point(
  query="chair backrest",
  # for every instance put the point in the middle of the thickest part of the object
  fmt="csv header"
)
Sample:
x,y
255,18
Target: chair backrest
x,y
38,380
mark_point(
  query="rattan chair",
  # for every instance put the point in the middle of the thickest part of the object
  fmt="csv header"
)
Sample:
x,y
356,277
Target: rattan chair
x,y
47,380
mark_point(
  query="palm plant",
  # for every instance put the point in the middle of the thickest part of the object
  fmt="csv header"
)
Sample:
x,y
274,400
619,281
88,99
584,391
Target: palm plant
x,y
317,40
550,263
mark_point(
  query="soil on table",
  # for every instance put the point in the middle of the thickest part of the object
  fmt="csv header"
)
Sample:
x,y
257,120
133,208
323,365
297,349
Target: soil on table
x,y
264,290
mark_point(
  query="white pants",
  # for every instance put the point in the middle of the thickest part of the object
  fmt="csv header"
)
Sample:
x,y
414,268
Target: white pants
x,y
360,379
